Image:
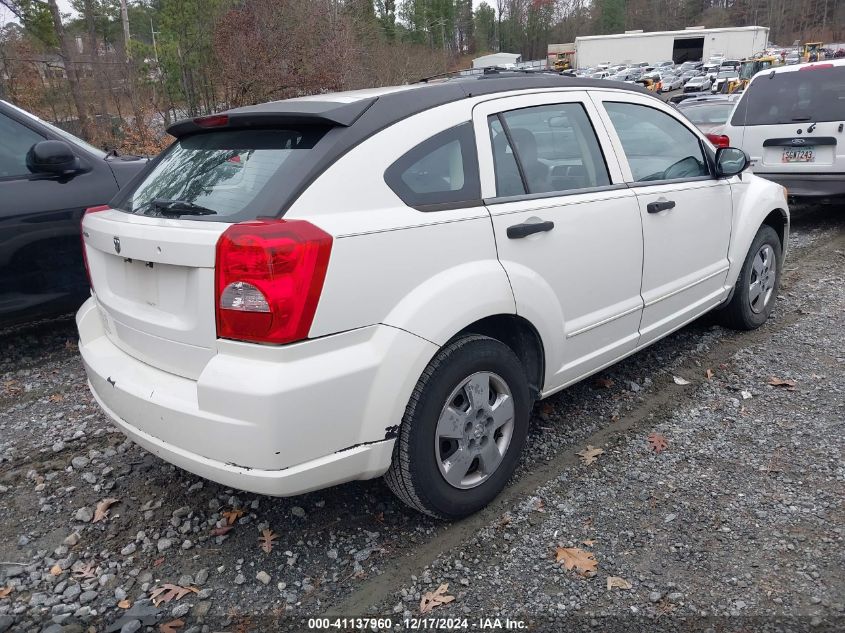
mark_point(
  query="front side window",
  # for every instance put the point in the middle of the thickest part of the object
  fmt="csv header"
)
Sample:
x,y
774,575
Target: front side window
x,y
15,141
553,148
442,170
657,146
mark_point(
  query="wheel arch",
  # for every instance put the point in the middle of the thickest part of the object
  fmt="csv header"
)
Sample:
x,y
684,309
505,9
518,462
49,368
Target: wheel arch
x,y
520,335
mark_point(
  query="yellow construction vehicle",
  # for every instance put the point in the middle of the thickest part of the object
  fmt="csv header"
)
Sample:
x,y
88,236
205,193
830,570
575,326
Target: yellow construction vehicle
x,y
748,68
561,57
811,52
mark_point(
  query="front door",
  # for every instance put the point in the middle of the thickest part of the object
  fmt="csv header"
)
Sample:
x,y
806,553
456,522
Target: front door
x,y
41,268
686,212
568,231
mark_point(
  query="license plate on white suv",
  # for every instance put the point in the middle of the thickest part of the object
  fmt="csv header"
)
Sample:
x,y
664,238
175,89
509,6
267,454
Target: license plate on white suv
x,y
803,155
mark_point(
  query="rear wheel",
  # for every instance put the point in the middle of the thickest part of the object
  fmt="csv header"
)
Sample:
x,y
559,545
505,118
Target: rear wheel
x,y
757,287
463,429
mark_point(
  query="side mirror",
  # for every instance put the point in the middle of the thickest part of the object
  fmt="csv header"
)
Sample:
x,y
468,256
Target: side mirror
x,y
730,161
52,157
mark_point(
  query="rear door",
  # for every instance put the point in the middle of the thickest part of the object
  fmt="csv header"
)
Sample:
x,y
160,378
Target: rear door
x,y
686,212
567,229
791,122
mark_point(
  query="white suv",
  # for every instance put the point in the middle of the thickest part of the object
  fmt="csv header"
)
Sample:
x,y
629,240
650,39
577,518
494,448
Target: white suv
x,y
791,122
313,291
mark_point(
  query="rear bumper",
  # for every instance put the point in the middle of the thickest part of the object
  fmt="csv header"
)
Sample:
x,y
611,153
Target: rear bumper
x,y
809,185
277,421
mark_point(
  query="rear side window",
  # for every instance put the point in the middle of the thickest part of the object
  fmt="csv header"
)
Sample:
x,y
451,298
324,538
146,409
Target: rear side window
x,y
801,96
439,173
224,173
556,150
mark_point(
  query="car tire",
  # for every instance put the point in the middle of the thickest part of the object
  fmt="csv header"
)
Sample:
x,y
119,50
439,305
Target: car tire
x,y
756,289
422,456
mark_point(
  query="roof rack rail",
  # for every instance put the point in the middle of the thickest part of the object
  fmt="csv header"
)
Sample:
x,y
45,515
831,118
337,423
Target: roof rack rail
x,y
487,71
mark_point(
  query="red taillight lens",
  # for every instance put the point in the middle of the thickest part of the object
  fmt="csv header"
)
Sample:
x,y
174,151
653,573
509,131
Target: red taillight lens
x,y
269,275
719,140
102,207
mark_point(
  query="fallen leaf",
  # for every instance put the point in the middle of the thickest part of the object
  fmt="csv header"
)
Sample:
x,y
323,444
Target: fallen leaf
x,y
5,591
171,627
709,374
617,582
435,598
780,382
232,515
124,604
56,397
574,558
168,592
590,454
266,540
603,383
158,561
55,570
12,387
88,571
547,408
102,509
589,542
657,442
680,381
220,531
70,345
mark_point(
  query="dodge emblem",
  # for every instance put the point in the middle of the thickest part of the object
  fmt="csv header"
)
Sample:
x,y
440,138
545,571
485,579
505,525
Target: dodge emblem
x,y
116,244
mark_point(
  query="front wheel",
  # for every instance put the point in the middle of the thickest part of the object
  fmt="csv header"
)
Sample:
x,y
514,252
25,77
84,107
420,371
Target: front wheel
x,y
463,429
757,287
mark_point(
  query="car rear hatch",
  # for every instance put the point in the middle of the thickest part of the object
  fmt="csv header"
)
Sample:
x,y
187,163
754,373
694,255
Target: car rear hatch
x,y
792,122
151,257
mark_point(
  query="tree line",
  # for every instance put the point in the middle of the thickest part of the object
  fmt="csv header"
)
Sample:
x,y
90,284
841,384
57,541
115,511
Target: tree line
x,y
118,71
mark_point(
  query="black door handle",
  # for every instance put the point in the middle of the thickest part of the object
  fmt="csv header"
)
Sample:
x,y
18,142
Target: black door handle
x,y
660,205
529,228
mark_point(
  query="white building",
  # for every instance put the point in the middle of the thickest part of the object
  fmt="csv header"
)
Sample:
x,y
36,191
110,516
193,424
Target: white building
x,y
497,59
694,43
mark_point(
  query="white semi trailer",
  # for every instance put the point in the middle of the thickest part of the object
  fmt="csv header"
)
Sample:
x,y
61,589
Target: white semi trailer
x,y
696,43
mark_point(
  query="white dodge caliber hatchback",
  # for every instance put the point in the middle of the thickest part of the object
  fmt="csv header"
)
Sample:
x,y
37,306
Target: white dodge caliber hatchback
x,y
313,291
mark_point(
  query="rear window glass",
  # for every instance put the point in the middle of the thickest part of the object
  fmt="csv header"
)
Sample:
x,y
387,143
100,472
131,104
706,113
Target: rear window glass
x,y
218,175
801,96
716,113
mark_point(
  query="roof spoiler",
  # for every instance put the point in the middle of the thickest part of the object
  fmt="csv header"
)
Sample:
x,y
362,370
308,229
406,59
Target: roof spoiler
x,y
275,114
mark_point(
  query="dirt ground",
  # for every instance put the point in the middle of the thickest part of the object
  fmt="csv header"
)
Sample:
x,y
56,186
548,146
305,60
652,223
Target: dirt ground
x,y
736,524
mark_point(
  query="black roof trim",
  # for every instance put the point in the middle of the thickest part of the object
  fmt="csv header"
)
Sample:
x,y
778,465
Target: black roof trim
x,y
352,123
289,112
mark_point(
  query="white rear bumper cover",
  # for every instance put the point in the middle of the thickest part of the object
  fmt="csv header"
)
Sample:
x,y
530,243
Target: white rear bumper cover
x,y
276,421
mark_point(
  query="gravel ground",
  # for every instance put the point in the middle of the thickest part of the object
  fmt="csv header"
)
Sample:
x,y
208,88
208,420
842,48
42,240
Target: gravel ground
x,y
741,515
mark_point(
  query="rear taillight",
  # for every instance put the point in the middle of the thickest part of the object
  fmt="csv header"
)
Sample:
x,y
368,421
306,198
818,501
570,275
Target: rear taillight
x,y
719,140
102,207
269,275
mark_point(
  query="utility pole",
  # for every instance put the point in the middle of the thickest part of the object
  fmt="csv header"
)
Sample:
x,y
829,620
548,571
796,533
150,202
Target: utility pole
x,y
124,16
153,32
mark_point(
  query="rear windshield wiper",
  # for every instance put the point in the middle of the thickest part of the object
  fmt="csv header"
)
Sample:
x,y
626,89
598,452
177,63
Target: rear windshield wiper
x,y
180,207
